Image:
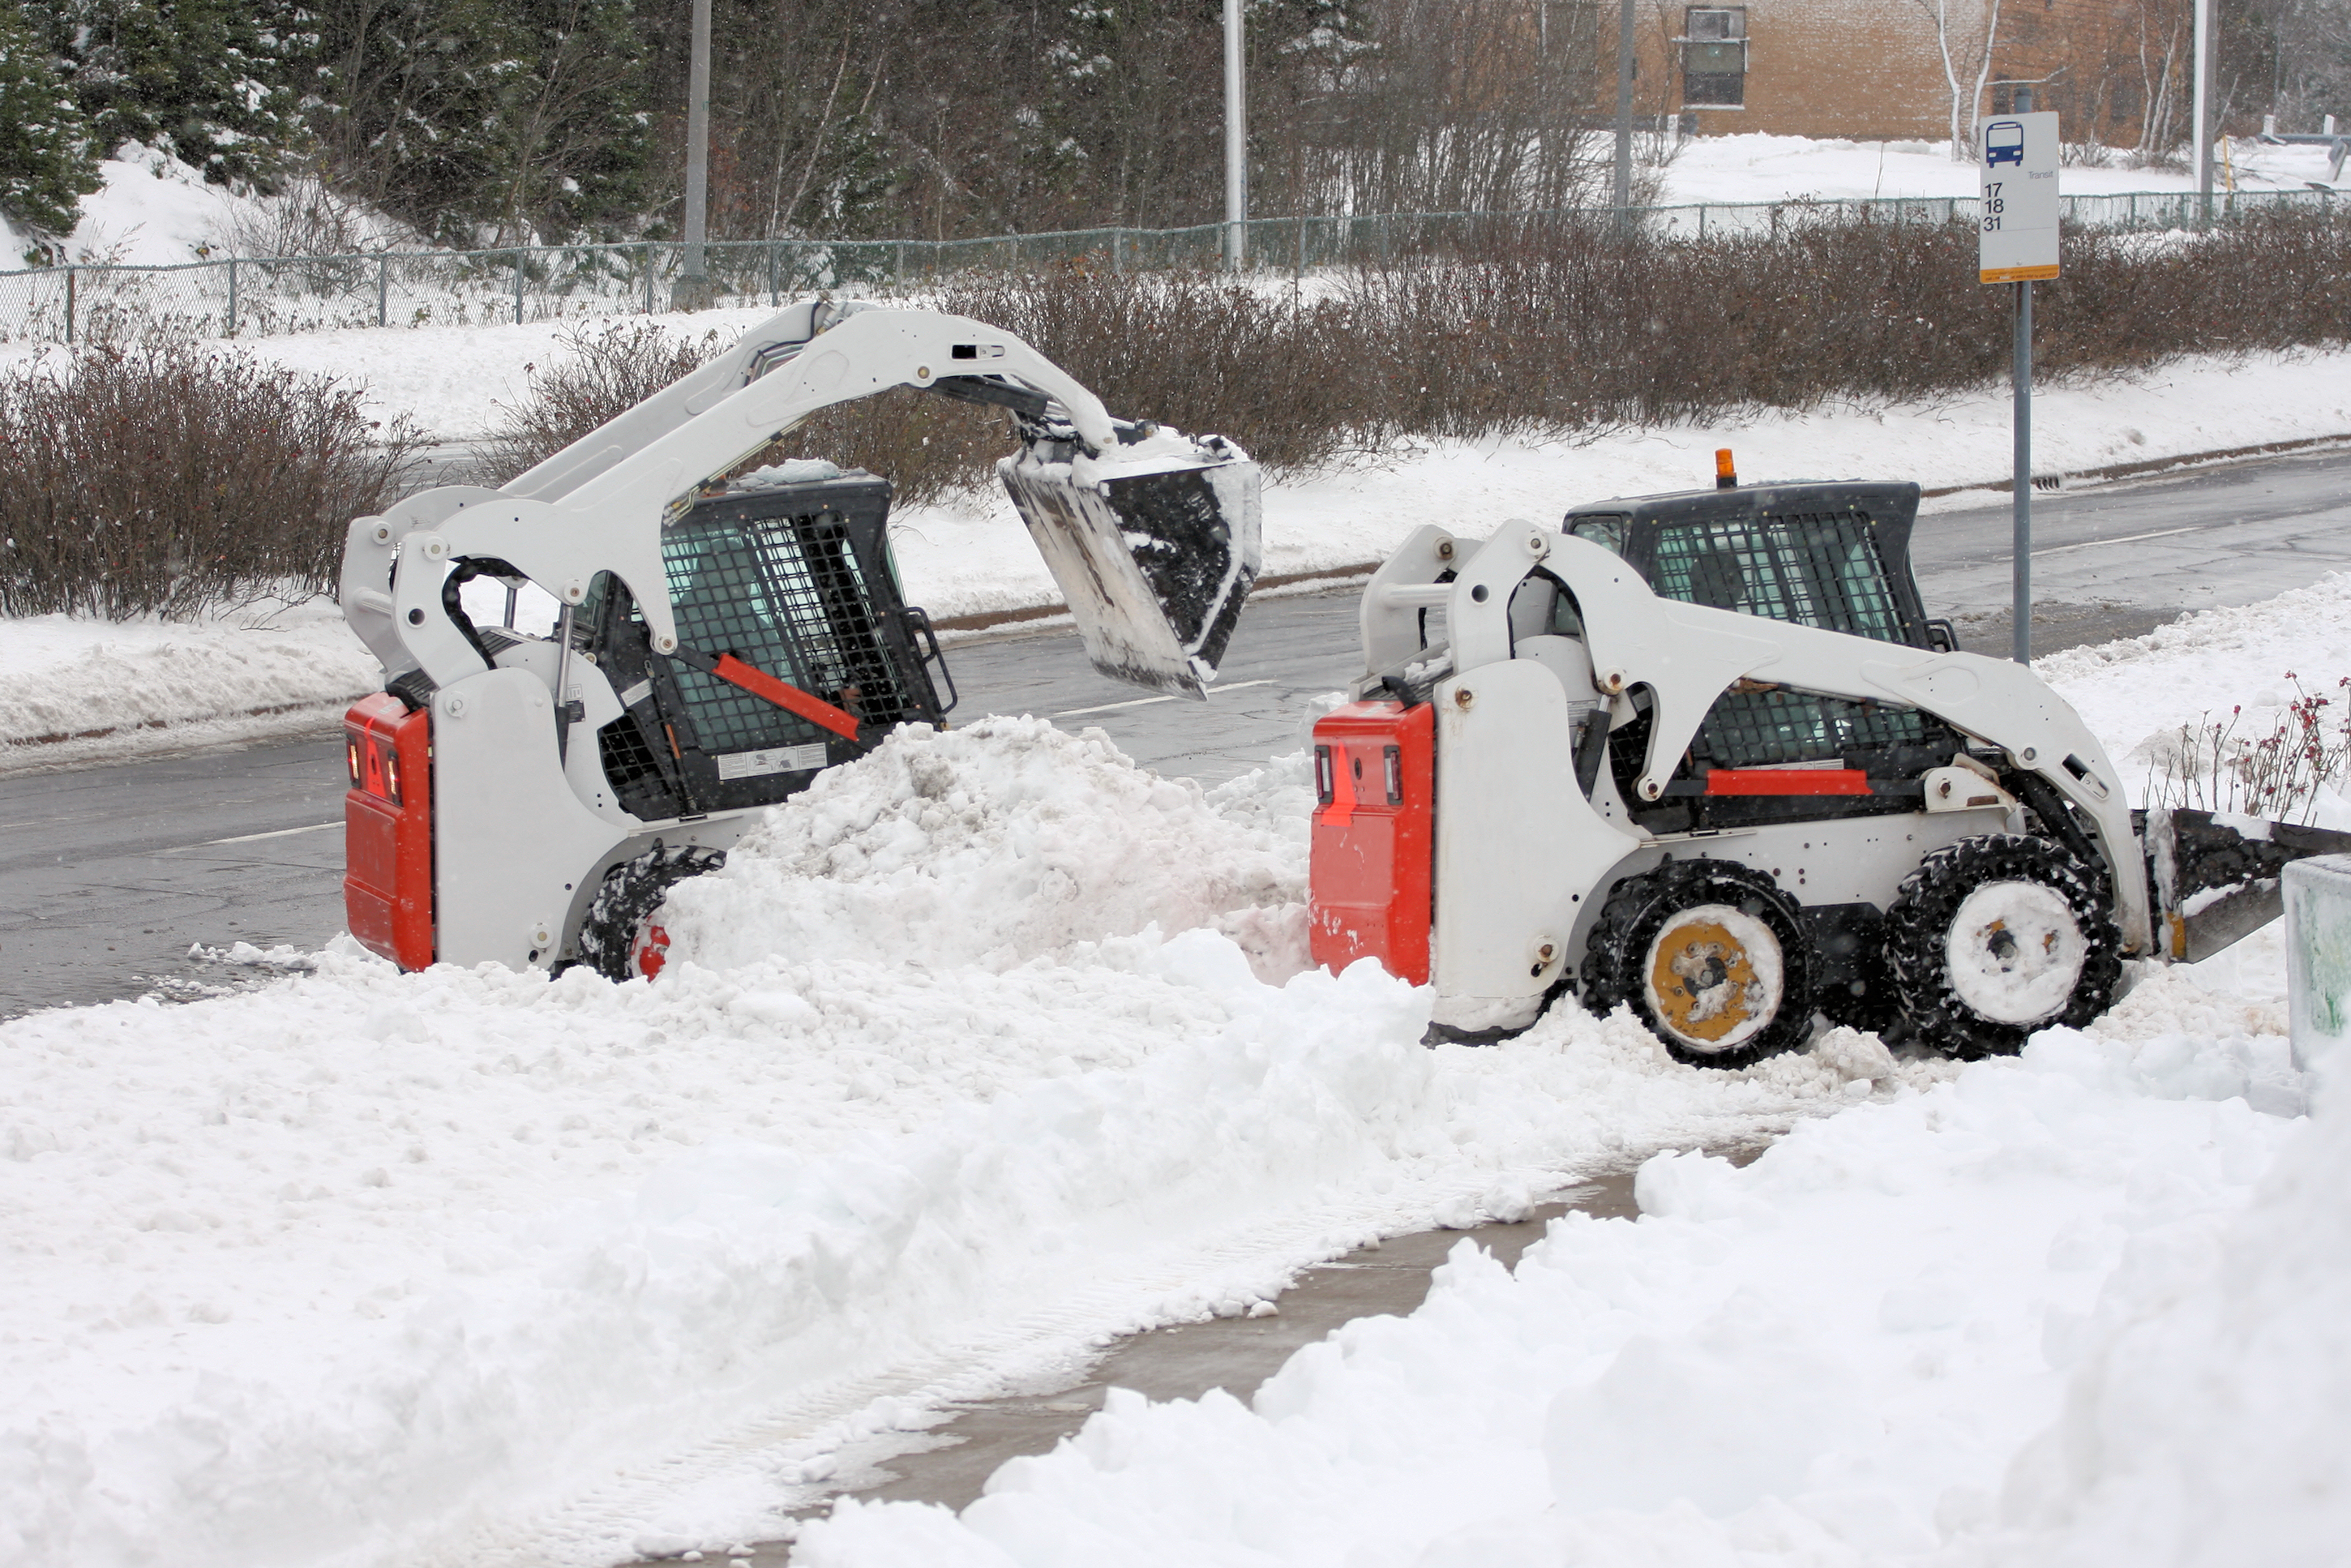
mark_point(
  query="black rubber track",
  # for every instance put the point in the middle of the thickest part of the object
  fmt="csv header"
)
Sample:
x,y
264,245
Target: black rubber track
x,y
1919,923
1639,907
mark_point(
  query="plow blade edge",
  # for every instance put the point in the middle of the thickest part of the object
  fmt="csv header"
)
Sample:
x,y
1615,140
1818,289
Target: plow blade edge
x,y
2215,876
1154,550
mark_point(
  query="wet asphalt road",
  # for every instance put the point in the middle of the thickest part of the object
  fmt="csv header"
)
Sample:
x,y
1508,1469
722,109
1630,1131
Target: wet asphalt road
x,y
108,875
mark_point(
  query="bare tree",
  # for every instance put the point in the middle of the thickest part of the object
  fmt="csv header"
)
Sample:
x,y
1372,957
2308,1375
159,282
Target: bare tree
x,y
1956,40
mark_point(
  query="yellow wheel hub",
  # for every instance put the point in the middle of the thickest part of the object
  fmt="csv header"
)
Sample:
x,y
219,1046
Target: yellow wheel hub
x,y
1714,977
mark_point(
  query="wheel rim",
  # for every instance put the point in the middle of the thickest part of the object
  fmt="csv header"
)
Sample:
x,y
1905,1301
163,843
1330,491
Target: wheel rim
x,y
1713,976
648,949
2015,952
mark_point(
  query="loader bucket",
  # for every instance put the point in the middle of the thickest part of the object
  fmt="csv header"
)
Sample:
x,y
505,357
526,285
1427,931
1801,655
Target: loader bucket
x,y
2215,876
1154,545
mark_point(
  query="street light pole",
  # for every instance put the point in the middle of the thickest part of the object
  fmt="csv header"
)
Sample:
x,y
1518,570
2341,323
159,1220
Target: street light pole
x,y
692,290
1622,193
2203,132
1236,140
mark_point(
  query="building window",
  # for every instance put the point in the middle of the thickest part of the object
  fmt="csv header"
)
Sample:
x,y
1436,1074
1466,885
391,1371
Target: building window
x,y
1714,56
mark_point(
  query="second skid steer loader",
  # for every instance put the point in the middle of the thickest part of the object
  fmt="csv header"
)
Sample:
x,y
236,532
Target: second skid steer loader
x,y
1705,755
527,795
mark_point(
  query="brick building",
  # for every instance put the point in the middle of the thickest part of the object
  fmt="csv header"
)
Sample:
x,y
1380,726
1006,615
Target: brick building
x,y
1874,69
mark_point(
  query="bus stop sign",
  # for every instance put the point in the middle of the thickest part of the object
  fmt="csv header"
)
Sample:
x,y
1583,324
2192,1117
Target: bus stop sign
x,y
2017,242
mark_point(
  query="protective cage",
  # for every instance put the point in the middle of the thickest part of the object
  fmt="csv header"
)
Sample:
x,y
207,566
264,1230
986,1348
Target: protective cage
x,y
1831,556
796,582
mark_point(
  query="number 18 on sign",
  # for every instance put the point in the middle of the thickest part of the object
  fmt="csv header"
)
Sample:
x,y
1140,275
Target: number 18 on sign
x,y
2016,245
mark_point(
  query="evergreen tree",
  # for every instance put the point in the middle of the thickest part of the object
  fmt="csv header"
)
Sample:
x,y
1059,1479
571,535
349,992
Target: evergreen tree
x,y
488,121
45,166
213,83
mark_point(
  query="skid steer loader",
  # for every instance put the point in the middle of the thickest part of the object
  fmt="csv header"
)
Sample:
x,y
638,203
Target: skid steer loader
x,y
528,795
1704,753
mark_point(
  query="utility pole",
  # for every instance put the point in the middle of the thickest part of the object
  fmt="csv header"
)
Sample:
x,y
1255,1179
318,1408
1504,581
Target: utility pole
x,y
692,290
1622,193
2202,117
1236,140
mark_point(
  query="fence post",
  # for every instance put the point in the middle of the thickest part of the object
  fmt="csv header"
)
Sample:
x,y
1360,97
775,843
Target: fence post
x,y
69,302
231,332
384,288
518,256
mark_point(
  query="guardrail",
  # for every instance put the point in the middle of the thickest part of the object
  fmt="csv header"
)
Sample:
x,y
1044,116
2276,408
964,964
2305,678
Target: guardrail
x,y
261,295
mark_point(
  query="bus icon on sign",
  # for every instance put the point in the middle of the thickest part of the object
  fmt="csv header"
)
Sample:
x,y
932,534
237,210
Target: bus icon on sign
x,y
2004,143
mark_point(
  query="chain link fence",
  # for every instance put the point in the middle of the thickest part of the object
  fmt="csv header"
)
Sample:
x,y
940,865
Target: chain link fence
x,y
261,297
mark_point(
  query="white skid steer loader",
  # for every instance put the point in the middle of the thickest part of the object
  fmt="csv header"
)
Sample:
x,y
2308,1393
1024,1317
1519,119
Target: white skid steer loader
x,y
1704,754
528,796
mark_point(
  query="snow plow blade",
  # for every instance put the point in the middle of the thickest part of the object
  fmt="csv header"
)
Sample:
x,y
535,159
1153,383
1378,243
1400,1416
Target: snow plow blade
x,y
2215,876
1154,544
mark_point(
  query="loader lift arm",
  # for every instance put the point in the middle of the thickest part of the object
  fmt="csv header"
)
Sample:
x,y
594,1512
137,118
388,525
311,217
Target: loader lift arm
x,y
600,503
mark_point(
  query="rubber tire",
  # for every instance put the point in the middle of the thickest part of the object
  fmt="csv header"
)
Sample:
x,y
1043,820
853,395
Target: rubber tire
x,y
1918,926
1639,907
633,892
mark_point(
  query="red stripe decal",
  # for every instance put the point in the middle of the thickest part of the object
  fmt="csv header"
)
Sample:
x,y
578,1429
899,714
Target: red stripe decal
x,y
760,684
1787,782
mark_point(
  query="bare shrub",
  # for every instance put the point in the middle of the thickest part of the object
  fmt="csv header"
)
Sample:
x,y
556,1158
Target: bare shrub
x,y
2220,766
160,478
1286,377
926,446
1545,330
607,371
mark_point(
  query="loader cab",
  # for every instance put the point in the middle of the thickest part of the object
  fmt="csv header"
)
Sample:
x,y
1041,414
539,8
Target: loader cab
x,y
1833,556
791,576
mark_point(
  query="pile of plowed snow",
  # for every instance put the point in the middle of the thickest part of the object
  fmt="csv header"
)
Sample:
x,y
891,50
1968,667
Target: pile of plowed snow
x,y
368,1268
1001,842
2049,1312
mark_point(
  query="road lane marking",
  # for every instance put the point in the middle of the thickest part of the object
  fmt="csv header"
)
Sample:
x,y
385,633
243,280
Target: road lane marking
x,y
2126,539
250,838
1145,702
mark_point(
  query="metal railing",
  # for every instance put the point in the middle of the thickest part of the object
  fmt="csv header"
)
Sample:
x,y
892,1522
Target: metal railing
x,y
264,296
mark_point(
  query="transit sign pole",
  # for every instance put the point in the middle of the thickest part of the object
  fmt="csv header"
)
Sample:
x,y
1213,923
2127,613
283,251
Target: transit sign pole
x,y
2017,244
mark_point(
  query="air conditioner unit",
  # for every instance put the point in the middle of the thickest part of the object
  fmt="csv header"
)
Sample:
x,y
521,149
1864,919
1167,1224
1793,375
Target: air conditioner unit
x,y
1715,25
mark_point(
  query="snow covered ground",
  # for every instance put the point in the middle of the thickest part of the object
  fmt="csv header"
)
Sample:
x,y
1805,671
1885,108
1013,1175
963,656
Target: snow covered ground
x,y
156,211
2083,1308
1760,168
214,680
992,1046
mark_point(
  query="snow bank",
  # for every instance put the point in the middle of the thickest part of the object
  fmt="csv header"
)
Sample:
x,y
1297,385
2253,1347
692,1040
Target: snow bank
x,y
364,1268
2204,1427
1756,167
1001,842
1840,1355
78,692
2137,693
